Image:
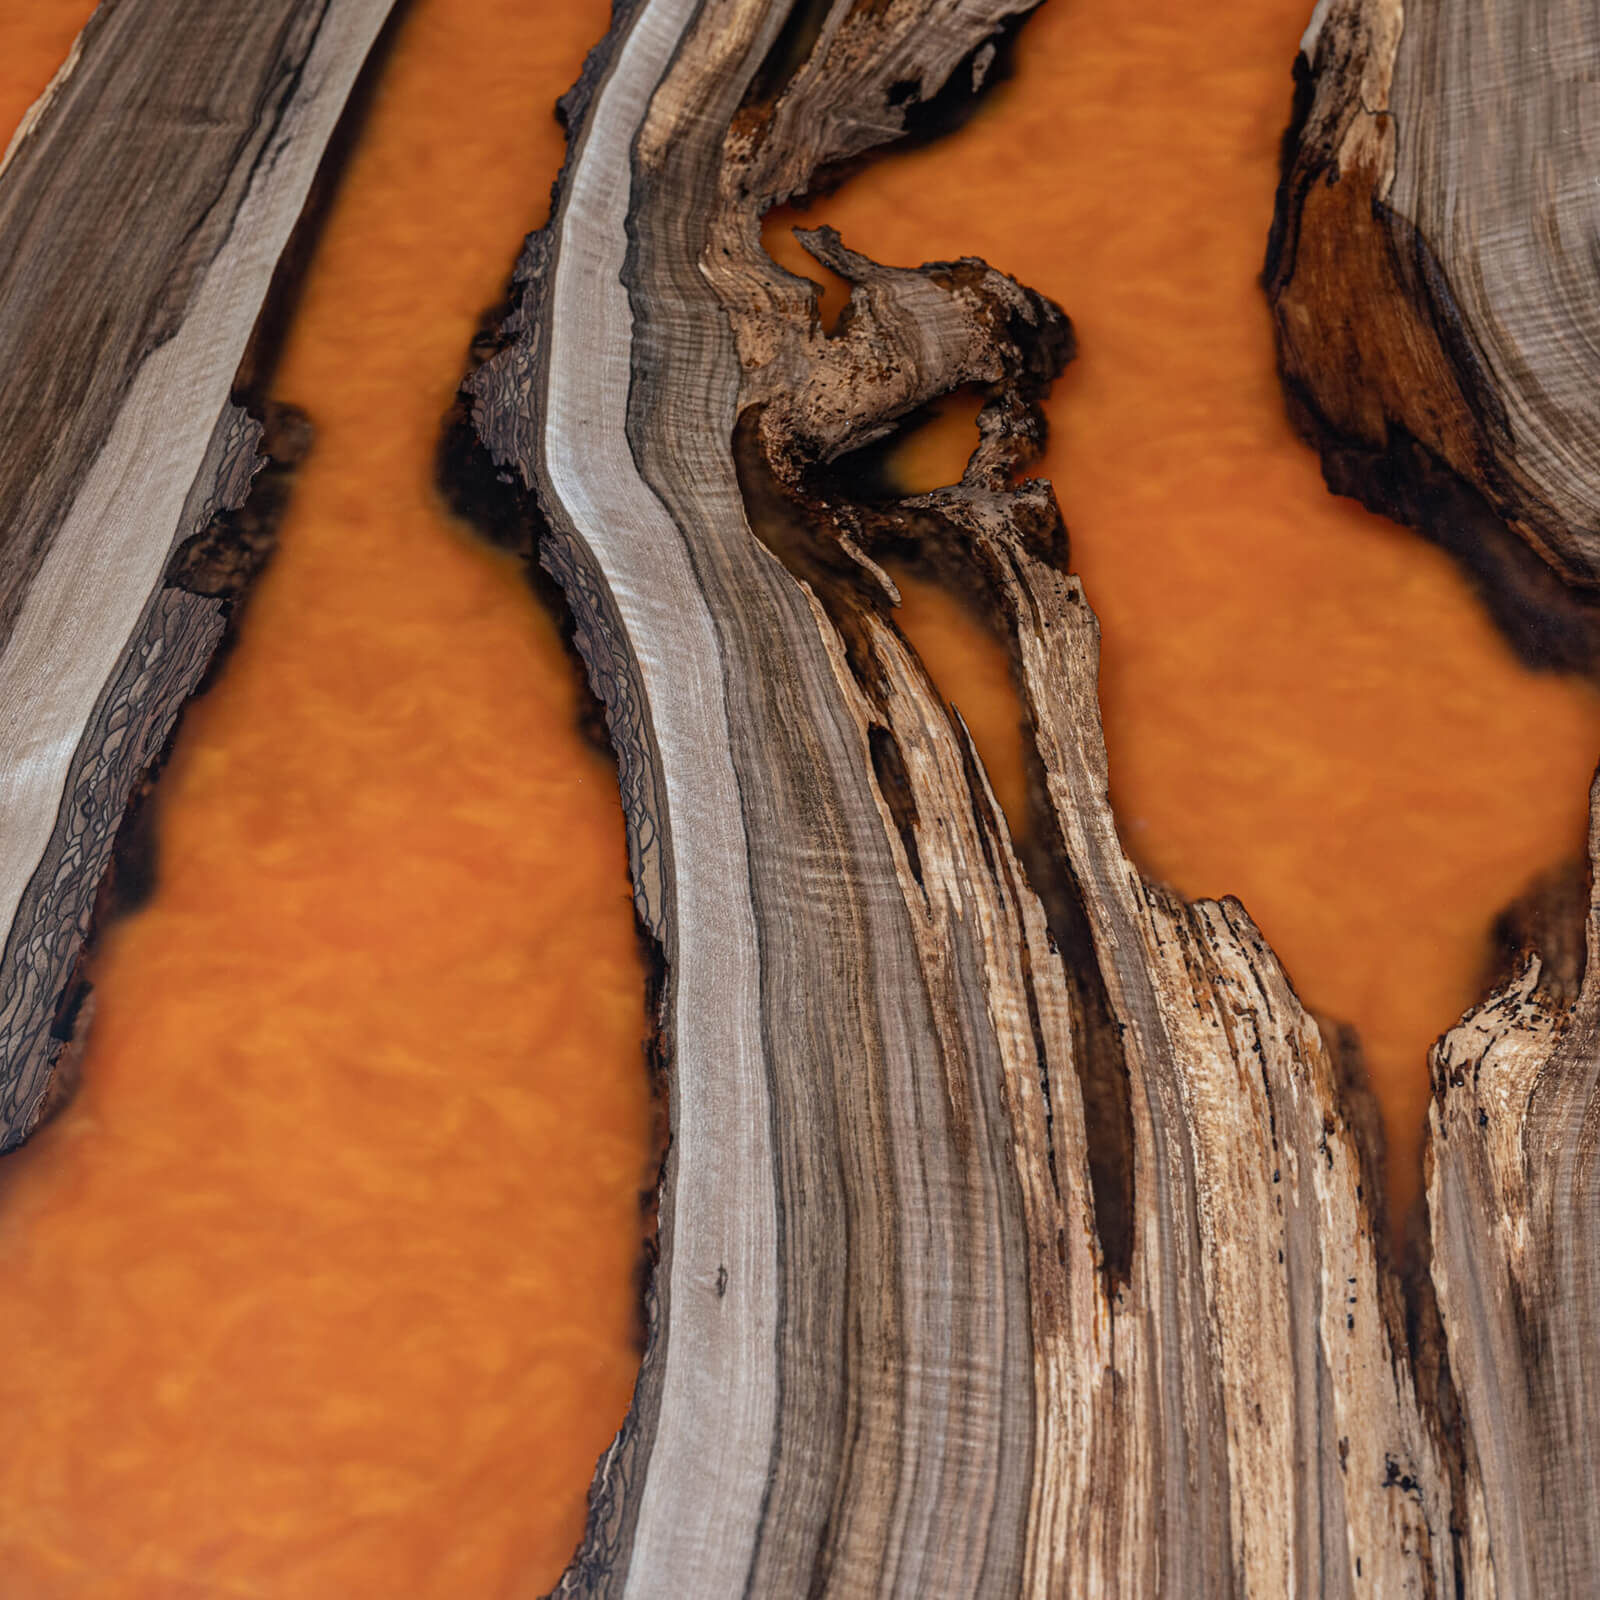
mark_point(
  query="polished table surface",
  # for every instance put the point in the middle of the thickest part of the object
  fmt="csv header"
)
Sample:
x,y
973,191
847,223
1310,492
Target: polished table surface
x,y
323,1286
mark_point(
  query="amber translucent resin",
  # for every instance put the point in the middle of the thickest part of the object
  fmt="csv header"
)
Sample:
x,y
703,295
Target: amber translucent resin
x,y
324,1284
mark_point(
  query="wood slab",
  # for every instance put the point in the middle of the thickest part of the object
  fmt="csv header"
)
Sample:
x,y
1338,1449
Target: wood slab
x,y
1434,273
145,203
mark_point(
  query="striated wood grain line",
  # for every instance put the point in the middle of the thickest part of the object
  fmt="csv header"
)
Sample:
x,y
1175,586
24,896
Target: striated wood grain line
x,y
144,204
1514,1201
1433,277
1019,1229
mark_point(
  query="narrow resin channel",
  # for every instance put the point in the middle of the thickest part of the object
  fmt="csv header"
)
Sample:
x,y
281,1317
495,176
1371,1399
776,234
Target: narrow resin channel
x,y
325,1284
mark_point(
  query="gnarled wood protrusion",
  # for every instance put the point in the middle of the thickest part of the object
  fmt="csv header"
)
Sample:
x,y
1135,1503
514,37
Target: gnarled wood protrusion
x,y
1432,272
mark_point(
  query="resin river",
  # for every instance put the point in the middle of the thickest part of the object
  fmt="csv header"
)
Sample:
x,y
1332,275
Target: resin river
x,y
324,1285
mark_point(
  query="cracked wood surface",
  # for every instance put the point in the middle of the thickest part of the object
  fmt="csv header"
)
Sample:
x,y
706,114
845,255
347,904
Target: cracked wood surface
x,y
1512,1200
1432,278
145,202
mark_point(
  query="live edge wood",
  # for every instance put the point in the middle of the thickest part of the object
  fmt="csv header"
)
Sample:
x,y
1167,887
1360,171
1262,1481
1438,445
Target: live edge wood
x,y
1432,273
1019,1228
144,205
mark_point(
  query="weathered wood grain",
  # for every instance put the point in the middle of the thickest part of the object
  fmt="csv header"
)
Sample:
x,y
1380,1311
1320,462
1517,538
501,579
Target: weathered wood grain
x,y
1433,277
144,205
1019,1230
1513,1205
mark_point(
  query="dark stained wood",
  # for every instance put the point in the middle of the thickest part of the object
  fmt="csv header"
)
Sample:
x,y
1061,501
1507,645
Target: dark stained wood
x,y
1432,273
144,204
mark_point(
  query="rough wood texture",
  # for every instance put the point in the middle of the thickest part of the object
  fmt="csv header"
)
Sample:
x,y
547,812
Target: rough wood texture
x,y
1018,1229
145,203
1512,1197
1432,274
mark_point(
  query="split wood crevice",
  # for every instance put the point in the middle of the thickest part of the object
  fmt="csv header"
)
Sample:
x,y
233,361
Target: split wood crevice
x,y
1019,1228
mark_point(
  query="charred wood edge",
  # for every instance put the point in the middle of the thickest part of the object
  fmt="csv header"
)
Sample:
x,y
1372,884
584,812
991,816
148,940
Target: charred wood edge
x,y
218,564
1427,444
1231,1386
100,859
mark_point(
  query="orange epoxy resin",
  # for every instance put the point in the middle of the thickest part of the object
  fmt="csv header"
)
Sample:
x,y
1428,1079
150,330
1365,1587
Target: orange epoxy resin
x,y
324,1284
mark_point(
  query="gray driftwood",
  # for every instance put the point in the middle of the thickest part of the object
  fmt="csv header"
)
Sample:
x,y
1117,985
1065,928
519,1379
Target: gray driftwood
x,y
144,205
1019,1227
